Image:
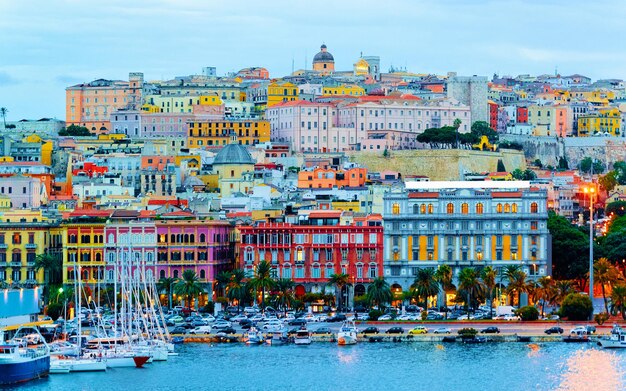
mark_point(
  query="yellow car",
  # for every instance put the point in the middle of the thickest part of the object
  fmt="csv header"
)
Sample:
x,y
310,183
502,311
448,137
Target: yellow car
x,y
418,330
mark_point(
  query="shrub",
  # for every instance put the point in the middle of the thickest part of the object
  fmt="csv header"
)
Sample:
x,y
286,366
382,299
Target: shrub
x,y
601,318
576,307
375,314
467,332
54,310
528,312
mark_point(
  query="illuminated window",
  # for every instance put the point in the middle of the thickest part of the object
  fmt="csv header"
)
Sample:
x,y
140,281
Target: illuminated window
x,y
464,208
479,208
395,209
514,208
507,208
479,256
450,208
300,254
430,208
423,209
499,208
534,208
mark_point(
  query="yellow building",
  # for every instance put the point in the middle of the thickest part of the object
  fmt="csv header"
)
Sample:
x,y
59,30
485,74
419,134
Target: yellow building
x,y
183,103
24,234
204,133
5,202
347,206
345,89
324,62
605,121
83,245
281,92
361,67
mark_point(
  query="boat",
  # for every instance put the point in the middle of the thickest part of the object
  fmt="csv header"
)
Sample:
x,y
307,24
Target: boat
x,y
278,338
62,348
20,362
303,337
347,333
253,337
62,364
616,340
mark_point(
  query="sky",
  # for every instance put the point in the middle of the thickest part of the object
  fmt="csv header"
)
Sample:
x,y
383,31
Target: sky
x,y
47,45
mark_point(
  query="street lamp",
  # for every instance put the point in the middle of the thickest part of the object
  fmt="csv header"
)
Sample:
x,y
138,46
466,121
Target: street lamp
x,y
591,190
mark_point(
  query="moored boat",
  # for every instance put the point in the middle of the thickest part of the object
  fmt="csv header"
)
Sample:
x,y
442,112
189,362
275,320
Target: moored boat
x,y
278,338
253,337
616,340
303,337
347,333
20,363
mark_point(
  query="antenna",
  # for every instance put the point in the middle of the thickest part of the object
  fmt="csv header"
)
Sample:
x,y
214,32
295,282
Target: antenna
x,y
293,65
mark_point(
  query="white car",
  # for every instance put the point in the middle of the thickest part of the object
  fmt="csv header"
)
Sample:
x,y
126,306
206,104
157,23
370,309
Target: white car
x,y
404,317
511,318
442,330
201,330
257,318
385,317
322,317
273,325
221,324
311,318
251,310
238,318
209,318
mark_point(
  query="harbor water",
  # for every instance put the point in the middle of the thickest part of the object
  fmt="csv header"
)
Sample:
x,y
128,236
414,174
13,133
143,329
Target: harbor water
x,y
366,366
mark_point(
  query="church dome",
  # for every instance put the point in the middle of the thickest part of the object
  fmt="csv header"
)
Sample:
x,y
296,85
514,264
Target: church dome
x,y
323,56
233,154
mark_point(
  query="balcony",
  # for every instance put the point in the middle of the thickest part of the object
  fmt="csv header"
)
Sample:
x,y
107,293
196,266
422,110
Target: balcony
x,y
16,263
30,246
4,246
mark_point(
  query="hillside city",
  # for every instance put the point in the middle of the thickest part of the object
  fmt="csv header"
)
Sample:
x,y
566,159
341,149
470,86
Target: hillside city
x,y
335,187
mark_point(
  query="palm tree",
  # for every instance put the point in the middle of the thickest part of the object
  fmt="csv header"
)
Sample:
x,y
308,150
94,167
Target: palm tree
x,y
284,287
545,291
425,285
262,280
443,275
488,276
379,293
236,289
3,113
517,281
165,285
188,286
618,299
52,268
605,273
339,281
470,283
221,282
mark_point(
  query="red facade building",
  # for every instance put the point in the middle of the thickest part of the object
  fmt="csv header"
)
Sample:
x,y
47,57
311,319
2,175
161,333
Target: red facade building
x,y
522,115
320,244
493,115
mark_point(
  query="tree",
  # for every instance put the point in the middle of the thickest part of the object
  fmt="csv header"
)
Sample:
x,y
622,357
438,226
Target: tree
x,y
3,112
570,249
545,291
608,181
620,172
52,267
576,307
470,284
488,275
236,289
605,274
617,208
188,286
618,300
563,163
482,128
517,282
443,275
221,282
262,280
339,281
75,130
379,293
500,167
425,285
562,288
284,288
528,313
538,163
165,285
586,165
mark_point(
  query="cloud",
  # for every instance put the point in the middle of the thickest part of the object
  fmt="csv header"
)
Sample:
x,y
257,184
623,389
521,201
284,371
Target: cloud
x,y
7,80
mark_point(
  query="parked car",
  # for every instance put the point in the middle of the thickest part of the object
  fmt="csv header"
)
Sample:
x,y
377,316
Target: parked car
x,y
227,330
179,330
395,330
579,330
238,318
322,330
273,324
554,330
297,322
434,316
512,317
371,330
442,330
221,324
337,318
490,330
418,330
385,317
201,330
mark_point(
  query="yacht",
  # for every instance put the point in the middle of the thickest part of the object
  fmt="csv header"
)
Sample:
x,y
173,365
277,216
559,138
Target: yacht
x,y
616,340
303,337
347,333
21,362
254,337
278,338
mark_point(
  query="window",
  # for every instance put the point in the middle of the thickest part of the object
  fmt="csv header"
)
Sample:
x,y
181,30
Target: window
x,y
499,240
507,208
287,272
534,208
373,271
17,238
430,208
415,209
499,208
464,208
299,272
533,225
450,208
514,208
316,272
395,209
330,270
479,208
423,208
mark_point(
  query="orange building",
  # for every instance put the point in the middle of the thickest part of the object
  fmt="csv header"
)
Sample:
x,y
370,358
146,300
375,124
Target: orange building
x,y
320,178
157,162
91,104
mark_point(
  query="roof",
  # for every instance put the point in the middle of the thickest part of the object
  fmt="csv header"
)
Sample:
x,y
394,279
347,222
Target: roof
x,y
424,194
317,214
233,154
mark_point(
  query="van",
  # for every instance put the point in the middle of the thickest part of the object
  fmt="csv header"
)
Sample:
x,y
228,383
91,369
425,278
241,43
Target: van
x,y
201,330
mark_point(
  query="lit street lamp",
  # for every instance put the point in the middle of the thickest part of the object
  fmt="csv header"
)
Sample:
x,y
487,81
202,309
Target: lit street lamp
x,y
591,190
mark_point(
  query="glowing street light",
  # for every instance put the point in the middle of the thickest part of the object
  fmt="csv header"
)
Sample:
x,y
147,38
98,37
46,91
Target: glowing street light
x,y
591,190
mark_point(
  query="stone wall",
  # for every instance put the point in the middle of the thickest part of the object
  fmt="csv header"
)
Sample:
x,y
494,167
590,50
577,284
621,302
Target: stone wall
x,y
439,165
545,148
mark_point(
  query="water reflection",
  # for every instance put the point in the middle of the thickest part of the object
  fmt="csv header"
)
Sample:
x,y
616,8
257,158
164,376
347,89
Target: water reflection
x,y
592,369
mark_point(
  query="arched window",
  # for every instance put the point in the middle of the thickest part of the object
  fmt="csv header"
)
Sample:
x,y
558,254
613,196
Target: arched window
x,y
192,238
149,275
395,209
111,258
514,208
98,257
111,275
202,274
430,208
499,208
149,257
111,238
416,209
175,273
423,209
507,208
162,273
172,238
186,238
534,208
450,208
479,208
465,208
202,238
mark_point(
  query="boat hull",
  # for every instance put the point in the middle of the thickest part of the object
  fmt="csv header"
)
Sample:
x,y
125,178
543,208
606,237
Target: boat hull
x,y
608,344
302,341
18,372
346,339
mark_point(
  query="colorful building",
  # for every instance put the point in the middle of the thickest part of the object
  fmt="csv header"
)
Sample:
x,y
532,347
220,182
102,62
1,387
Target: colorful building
x,y
549,120
327,178
344,90
324,62
278,92
603,122
207,133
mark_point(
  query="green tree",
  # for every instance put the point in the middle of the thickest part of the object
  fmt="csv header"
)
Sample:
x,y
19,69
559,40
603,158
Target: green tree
x,y
470,284
517,282
618,300
75,131
221,282
608,181
563,163
263,280
52,267
284,288
339,281
500,167
518,174
620,172
189,286
576,307
443,275
166,285
538,163
528,313
379,293
562,288
236,289
618,208
544,292
586,165
3,112
482,128
425,285
488,276
570,248
605,273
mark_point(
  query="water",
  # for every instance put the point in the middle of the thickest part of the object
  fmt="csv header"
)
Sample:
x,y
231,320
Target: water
x,y
366,366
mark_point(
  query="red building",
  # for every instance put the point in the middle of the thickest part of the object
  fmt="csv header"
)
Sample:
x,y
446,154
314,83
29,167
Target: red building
x,y
493,114
89,169
522,115
320,244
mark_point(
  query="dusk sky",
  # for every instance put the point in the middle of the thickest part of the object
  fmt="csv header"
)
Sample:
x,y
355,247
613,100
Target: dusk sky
x,y
47,45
